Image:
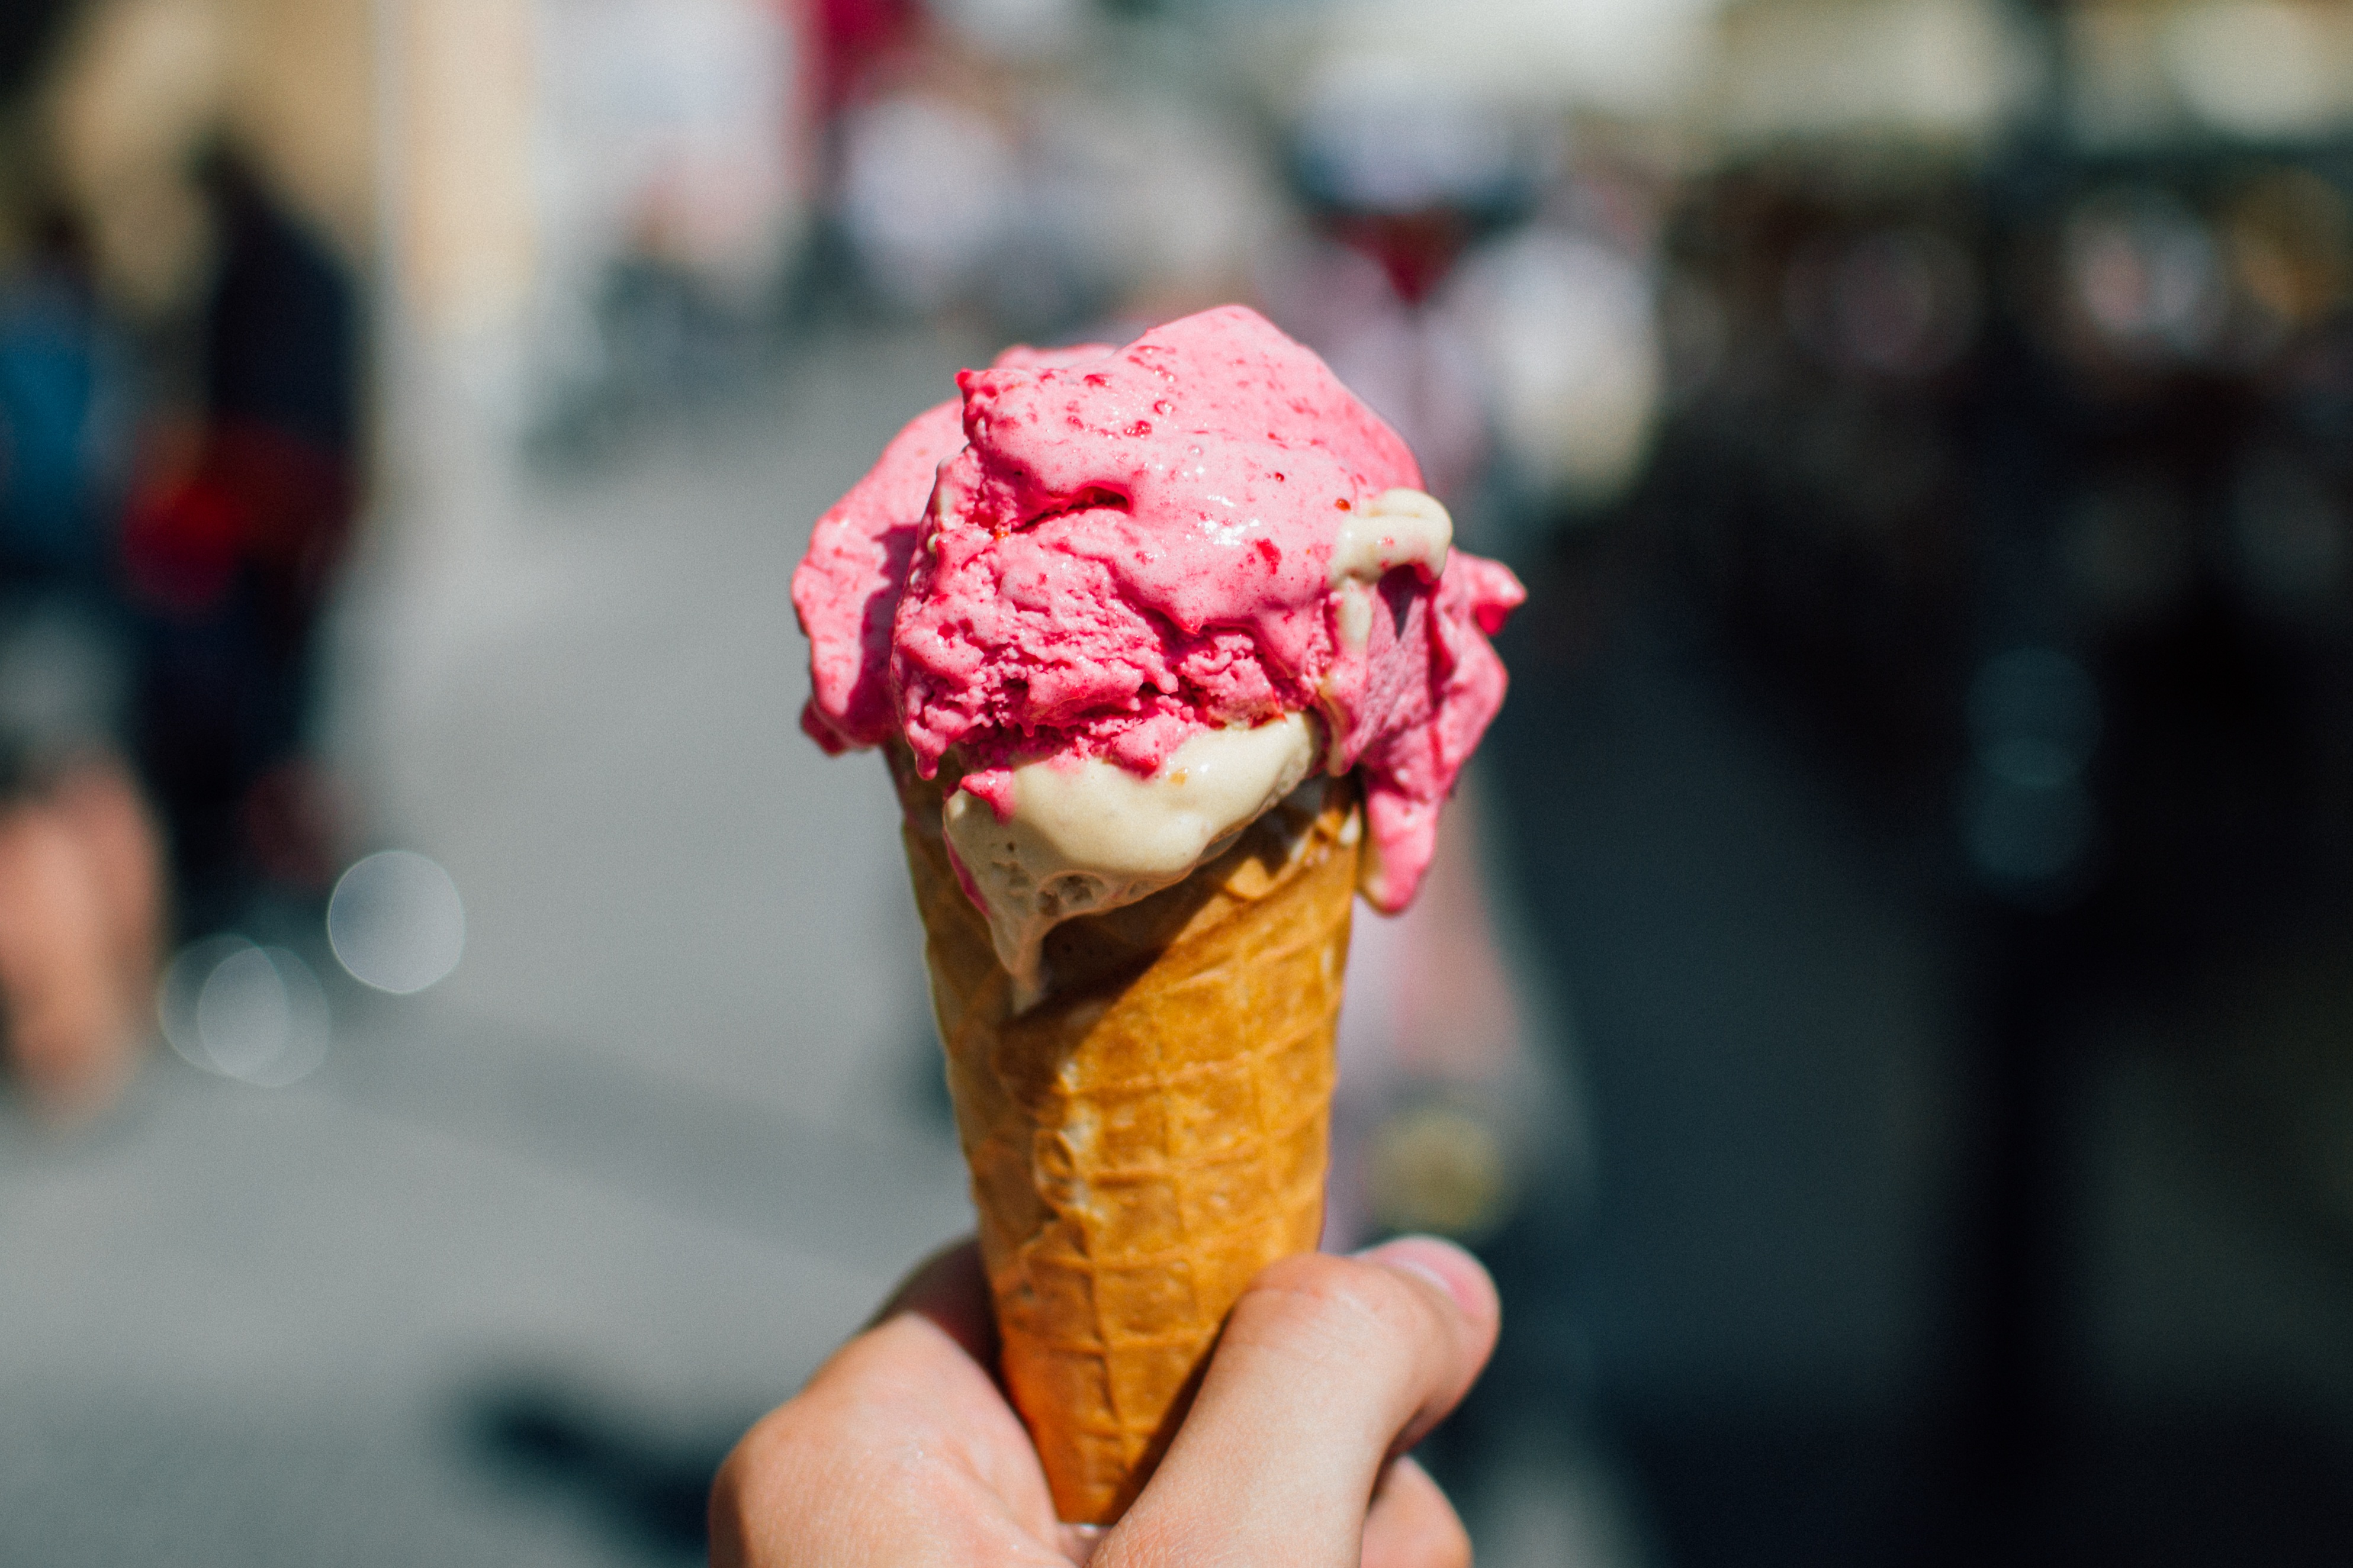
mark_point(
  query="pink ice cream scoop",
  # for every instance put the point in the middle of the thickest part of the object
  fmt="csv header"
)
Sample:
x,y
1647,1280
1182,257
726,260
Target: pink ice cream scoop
x,y
1103,555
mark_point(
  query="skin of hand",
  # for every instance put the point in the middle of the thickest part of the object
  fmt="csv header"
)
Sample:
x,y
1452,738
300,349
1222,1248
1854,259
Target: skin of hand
x,y
903,1451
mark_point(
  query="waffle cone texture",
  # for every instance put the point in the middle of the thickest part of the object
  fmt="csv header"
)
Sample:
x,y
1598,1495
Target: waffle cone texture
x,y
1150,1135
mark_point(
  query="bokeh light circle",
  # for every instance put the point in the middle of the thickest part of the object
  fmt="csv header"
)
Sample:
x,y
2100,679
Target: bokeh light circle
x,y
254,1014
397,923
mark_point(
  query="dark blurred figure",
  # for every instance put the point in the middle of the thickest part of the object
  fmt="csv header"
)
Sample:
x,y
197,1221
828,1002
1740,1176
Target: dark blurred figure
x,y
230,554
52,533
80,891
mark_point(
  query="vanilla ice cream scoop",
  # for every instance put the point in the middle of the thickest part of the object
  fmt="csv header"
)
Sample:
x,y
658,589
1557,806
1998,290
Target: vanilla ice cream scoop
x,y
1086,836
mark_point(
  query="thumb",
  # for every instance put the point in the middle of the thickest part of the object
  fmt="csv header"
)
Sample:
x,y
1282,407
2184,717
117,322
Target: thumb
x,y
1327,1368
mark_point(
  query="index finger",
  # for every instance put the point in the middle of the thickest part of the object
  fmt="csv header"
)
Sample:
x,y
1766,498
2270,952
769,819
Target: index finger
x,y
1327,1368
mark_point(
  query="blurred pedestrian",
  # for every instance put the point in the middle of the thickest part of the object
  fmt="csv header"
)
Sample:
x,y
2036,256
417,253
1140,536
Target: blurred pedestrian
x,y
81,893
231,555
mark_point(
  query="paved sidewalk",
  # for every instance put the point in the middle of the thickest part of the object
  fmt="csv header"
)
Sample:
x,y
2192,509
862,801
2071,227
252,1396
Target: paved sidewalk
x,y
451,1300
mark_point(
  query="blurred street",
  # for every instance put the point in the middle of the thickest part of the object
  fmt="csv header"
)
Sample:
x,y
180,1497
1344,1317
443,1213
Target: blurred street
x,y
500,1281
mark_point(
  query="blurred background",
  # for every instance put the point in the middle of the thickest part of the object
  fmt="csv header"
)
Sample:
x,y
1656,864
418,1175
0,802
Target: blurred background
x,y
1886,1012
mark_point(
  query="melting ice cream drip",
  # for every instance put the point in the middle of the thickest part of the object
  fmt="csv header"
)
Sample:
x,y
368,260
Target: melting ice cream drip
x,y
1088,836
1396,528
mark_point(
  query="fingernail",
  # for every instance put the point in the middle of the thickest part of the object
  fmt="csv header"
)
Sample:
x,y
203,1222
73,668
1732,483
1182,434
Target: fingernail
x,y
1399,1255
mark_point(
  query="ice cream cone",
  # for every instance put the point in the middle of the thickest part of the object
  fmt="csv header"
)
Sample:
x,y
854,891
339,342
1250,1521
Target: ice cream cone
x,y
1152,1132
1141,593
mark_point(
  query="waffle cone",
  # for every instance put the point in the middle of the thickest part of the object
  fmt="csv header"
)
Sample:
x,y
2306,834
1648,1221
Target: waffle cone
x,y
1150,1135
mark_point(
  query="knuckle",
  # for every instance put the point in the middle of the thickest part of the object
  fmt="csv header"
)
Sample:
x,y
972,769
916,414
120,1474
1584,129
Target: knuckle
x,y
1351,1307
789,1468
729,1512
775,1453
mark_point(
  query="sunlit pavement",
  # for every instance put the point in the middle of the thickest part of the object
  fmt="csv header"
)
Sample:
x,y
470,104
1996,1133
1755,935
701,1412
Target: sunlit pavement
x,y
449,1299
